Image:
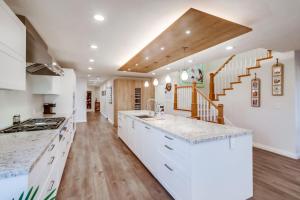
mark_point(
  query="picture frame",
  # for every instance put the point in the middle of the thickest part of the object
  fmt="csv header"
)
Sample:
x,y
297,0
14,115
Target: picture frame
x,y
277,78
255,92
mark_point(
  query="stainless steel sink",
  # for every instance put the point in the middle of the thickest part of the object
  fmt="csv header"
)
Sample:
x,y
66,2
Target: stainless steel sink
x,y
144,116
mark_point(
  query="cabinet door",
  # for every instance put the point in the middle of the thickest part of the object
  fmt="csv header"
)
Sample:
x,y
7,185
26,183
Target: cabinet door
x,y
12,50
45,84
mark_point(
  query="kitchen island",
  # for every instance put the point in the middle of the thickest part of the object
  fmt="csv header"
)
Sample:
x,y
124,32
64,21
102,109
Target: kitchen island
x,y
34,159
192,159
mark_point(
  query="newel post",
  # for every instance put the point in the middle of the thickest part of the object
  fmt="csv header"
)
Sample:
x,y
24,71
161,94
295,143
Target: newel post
x,y
212,94
175,97
194,106
220,114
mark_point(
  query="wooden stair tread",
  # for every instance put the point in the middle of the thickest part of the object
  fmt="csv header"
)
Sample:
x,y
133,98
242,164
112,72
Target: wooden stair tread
x,y
228,89
255,67
221,94
244,75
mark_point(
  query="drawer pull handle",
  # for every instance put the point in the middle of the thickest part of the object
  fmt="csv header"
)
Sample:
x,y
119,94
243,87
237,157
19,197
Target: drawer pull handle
x,y
169,138
146,127
51,160
169,147
169,168
51,147
51,186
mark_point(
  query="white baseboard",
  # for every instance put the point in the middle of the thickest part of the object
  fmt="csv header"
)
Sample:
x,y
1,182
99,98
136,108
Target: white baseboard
x,y
111,121
104,115
277,151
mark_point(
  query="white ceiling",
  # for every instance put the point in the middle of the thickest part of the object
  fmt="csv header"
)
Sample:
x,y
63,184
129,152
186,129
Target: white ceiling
x,y
68,28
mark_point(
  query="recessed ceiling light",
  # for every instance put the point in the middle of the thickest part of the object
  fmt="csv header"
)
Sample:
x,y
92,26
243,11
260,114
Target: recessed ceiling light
x,y
129,69
153,73
188,32
90,68
92,60
136,64
229,47
93,46
99,18
162,48
168,68
54,63
147,58
190,61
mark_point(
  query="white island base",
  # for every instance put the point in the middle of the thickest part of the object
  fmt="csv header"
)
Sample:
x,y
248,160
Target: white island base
x,y
203,165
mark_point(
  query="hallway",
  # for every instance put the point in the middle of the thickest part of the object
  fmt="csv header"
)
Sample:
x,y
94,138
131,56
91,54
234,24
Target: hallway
x,y
101,167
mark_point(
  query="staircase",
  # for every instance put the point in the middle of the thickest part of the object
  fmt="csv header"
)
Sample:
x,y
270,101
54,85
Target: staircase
x,y
191,99
233,71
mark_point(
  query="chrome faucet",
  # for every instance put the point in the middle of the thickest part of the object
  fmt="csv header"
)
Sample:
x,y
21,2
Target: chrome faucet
x,y
155,106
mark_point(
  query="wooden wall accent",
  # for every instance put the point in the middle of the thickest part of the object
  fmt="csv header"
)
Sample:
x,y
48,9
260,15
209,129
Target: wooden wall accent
x,y
124,94
206,31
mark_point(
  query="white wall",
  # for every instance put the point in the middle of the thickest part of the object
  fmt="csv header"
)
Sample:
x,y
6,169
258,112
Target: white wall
x,y
297,75
81,88
274,123
19,102
106,108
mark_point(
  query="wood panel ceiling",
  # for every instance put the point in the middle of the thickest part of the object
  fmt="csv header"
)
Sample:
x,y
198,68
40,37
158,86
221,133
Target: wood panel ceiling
x,y
205,31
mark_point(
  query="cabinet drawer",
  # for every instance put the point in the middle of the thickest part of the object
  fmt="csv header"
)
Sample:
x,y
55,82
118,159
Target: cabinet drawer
x,y
40,172
174,148
174,179
50,185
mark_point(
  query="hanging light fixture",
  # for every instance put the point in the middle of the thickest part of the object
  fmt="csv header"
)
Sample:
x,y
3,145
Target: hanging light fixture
x,y
184,75
146,84
155,82
168,79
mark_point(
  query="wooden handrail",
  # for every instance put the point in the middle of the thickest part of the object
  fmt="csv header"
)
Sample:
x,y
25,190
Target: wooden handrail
x,y
222,66
184,86
212,95
219,107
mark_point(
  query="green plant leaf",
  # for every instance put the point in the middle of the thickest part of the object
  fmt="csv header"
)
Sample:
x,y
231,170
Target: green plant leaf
x,y
49,196
34,193
28,194
21,197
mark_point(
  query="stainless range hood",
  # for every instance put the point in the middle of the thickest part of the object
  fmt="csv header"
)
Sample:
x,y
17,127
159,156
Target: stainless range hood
x,y
38,60
44,69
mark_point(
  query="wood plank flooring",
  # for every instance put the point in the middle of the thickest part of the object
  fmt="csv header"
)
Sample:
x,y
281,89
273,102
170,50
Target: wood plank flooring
x,y
101,167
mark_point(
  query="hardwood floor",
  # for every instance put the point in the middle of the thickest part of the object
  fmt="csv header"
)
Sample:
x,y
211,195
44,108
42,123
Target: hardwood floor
x,y
101,167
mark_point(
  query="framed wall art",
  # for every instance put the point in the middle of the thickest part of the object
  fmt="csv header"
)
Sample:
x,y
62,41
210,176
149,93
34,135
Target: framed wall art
x,y
255,92
277,79
195,73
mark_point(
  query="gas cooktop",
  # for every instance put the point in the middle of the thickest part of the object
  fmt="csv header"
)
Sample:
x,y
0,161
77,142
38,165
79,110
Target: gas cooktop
x,y
35,125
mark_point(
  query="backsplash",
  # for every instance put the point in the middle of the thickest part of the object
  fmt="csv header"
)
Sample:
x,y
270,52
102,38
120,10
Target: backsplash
x,y
19,102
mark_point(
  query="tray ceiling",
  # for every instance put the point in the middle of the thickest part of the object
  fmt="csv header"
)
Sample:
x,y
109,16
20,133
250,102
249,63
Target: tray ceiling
x,y
191,33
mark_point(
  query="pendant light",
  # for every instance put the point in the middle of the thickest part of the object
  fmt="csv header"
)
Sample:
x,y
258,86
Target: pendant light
x,y
184,75
155,82
146,84
168,79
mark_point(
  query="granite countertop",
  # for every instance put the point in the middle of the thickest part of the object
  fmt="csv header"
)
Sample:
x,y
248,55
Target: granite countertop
x,y
19,152
190,130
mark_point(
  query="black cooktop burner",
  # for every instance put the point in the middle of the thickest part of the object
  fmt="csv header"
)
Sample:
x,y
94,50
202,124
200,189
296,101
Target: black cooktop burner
x,y
35,125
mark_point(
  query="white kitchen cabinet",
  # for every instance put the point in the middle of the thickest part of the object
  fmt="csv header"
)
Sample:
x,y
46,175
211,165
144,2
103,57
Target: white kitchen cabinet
x,y
12,50
217,169
41,84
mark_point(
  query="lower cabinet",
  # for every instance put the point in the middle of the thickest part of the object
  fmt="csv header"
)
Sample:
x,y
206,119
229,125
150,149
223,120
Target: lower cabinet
x,y
47,172
210,170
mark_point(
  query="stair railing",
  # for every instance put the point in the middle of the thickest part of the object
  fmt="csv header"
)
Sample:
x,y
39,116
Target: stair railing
x,y
235,67
182,98
190,98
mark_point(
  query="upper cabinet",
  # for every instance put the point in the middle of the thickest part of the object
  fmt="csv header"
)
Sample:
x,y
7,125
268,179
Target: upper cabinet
x,y
41,84
12,50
